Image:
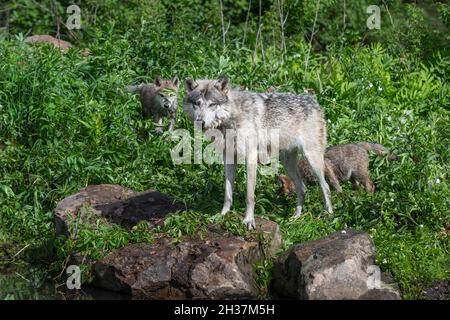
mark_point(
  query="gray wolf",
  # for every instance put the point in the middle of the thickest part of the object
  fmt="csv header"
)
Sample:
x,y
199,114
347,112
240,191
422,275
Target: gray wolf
x,y
298,119
344,162
158,100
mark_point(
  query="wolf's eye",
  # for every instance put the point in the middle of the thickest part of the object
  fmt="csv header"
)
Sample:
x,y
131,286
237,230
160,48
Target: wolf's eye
x,y
213,106
161,94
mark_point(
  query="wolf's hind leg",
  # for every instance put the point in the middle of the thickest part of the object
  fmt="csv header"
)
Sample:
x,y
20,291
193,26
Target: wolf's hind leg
x,y
290,163
315,158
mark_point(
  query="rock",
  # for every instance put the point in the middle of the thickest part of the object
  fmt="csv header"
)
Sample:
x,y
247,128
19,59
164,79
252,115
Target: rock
x,y
439,290
116,204
340,266
217,266
57,43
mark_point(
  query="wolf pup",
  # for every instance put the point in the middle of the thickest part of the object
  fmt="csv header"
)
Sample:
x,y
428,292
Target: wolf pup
x,y
343,162
298,119
158,100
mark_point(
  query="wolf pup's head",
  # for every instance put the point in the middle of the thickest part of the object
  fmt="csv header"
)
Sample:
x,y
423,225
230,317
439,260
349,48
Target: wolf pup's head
x,y
166,93
206,101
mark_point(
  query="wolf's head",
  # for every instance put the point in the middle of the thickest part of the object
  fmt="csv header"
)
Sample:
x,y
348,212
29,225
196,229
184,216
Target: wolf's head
x,y
206,101
166,93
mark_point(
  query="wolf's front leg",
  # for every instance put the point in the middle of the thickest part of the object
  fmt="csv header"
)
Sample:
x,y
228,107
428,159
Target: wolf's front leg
x,y
249,219
173,120
230,170
158,120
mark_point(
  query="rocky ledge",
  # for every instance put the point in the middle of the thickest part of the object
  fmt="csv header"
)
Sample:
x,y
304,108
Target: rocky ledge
x,y
217,265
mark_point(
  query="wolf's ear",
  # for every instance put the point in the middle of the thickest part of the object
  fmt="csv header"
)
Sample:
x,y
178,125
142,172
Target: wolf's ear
x,y
190,84
175,81
222,84
158,81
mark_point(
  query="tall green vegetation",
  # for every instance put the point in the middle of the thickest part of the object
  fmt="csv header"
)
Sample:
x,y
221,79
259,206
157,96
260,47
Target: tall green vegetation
x,y
67,122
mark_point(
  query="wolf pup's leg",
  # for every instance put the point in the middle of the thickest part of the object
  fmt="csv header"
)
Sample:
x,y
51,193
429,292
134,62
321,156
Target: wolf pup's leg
x,y
332,179
290,163
252,158
315,158
363,178
158,120
173,120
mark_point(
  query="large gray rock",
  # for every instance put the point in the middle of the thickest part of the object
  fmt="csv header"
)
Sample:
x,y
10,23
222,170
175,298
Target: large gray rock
x,y
217,266
340,266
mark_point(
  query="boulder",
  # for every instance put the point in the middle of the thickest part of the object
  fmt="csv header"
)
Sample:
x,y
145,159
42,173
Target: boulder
x,y
218,265
57,43
339,266
213,264
115,204
439,290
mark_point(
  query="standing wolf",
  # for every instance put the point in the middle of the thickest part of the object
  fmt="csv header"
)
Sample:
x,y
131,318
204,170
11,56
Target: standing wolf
x,y
343,162
158,100
298,119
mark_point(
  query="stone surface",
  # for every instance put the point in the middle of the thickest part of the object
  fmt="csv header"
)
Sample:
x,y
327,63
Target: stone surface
x,y
439,290
212,265
340,266
116,204
216,266
57,43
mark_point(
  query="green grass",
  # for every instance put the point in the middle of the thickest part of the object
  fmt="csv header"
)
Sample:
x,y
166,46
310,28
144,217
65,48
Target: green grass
x,y
68,123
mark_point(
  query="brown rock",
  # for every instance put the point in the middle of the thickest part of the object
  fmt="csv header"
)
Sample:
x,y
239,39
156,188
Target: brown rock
x,y
58,43
218,267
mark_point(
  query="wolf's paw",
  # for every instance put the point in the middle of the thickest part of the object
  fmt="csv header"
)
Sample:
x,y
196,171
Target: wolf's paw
x,y
249,223
225,210
297,214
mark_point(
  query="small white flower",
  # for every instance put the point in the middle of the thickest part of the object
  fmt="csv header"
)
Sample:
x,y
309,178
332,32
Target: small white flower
x,y
389,118
370,85
438,180
380,89
384,261
334,99
421,226
408,112
403,120
392,199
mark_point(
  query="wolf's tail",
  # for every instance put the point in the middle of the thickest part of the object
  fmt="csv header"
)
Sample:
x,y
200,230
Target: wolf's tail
x,y
134,89
378,148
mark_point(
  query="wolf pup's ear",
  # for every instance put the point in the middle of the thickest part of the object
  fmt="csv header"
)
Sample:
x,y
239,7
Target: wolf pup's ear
x,y
175,81
158,81
190,84
222,84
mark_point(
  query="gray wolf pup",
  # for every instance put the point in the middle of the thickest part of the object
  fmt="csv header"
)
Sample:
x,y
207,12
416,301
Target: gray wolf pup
x,y
298,119
343,162
158,100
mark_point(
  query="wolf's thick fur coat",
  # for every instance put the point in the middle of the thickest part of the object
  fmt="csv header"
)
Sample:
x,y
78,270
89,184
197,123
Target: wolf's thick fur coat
x,y
298,118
